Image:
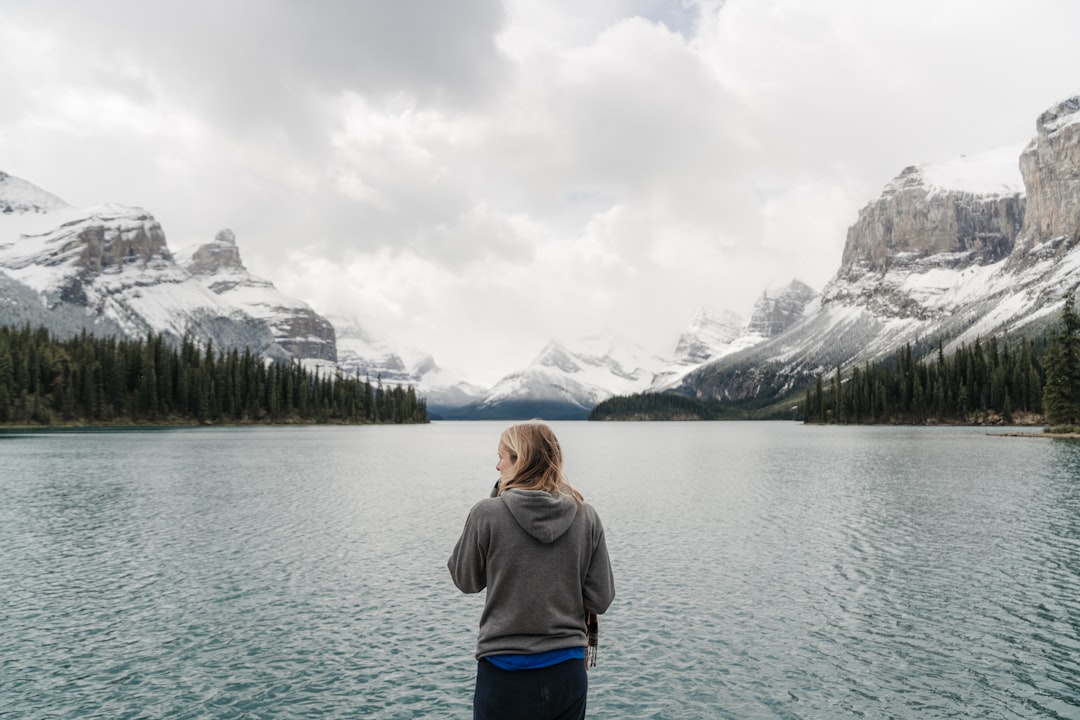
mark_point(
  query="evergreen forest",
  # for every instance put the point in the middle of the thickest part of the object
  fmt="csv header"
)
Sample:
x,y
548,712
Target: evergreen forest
x,y
1006,380
1061,392
978,383
91,380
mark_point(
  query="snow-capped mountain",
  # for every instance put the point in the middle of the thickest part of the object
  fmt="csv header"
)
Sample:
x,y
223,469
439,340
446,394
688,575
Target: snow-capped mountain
x,y
296,328
360,355
567,381
713,335
108,269
710,335
977,247
777,310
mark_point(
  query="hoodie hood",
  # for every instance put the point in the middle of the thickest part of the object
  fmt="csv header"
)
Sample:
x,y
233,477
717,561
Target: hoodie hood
x,y
543,515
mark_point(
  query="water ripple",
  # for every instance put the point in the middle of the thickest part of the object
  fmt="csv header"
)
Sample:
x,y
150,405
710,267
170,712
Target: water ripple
x,y
763,571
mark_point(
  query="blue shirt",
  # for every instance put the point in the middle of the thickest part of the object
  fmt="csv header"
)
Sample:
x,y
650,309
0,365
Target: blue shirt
x,y
536,660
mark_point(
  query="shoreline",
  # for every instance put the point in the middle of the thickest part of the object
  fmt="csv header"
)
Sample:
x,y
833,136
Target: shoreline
x,y
1052,436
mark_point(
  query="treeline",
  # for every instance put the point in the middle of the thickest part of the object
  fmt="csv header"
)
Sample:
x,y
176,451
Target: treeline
x,y
652,406
107,380
1061,392
970,385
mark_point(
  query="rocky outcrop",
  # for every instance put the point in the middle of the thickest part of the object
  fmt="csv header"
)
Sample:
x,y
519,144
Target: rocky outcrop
x,y
977,247
218,259
296,328
930,219
1050,166
774,314
114,236
707,336
914,219
110,267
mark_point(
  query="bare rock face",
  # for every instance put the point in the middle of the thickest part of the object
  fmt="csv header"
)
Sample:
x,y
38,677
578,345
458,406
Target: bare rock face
x,y
913,220
113,237
297,328
220,255
699,343
774,314
1050,165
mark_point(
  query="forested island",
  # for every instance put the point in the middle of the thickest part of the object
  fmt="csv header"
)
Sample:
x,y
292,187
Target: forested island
x,y
1002,381
91,380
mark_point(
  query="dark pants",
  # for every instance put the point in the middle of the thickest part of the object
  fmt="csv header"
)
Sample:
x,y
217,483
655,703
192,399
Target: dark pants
x,y
552,693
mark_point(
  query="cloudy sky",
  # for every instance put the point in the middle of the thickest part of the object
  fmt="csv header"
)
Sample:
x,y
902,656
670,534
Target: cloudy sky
x,y
477,177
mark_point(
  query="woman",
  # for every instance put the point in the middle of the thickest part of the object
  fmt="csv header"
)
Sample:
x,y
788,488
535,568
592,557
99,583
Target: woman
x,y
539,549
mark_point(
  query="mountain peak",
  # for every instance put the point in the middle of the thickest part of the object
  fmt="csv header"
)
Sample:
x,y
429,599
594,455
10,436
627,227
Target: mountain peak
x,y
992,173
554,355
18,197
710,334
773,315
219,255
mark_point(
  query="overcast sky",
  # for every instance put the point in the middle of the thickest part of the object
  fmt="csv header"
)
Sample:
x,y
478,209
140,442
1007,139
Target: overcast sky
x,y
475,178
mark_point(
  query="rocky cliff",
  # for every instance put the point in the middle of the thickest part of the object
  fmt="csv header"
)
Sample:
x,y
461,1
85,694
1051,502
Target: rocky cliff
x,y
110,266
776,311
362,356
709,334
1050,165
296,328
950,252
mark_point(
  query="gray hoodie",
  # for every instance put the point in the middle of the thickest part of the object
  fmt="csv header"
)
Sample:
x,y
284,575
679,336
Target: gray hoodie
x,y
544,563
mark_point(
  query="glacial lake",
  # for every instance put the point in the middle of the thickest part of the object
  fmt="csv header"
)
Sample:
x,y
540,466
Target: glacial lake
x,y
763,570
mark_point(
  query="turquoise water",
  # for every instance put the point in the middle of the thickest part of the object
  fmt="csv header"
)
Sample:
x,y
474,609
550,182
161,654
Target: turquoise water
x,y
764,570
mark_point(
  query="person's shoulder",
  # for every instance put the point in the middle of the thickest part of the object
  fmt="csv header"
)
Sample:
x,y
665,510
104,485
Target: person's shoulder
x,y
486,507
589,512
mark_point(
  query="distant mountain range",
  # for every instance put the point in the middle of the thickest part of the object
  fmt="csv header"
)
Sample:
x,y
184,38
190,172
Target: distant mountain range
x,y
948,253
566,381
109,270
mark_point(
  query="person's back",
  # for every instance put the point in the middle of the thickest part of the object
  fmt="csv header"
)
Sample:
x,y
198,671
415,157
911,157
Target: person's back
x,y
540,552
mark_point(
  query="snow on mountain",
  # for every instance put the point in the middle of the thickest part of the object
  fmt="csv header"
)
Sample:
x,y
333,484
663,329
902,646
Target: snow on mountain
x,y
362,356
108,270
296,328
713,335
996,172
776,311
19,197
112,263
567,381
709,335
953,252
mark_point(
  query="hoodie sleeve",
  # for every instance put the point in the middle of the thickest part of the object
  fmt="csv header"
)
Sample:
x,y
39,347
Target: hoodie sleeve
x,y
598,589
468,561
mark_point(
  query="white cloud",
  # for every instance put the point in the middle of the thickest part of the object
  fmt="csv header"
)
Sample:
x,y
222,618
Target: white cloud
x,y
476,178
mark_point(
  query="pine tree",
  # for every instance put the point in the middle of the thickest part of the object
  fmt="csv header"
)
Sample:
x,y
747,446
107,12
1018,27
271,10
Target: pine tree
x,y
1061,393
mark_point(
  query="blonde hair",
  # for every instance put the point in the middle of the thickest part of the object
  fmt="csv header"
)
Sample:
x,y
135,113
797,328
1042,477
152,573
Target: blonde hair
x,y
538,460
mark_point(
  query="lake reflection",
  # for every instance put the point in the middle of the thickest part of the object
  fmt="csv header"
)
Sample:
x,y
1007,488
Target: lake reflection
x,y
763,570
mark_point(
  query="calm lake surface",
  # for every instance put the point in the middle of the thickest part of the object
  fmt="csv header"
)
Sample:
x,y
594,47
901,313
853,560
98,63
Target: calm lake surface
x,y
763,570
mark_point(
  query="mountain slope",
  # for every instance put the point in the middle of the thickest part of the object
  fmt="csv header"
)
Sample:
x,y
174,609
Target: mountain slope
x,y
111,264
362,356
566,382
709,339
980,246
296,328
